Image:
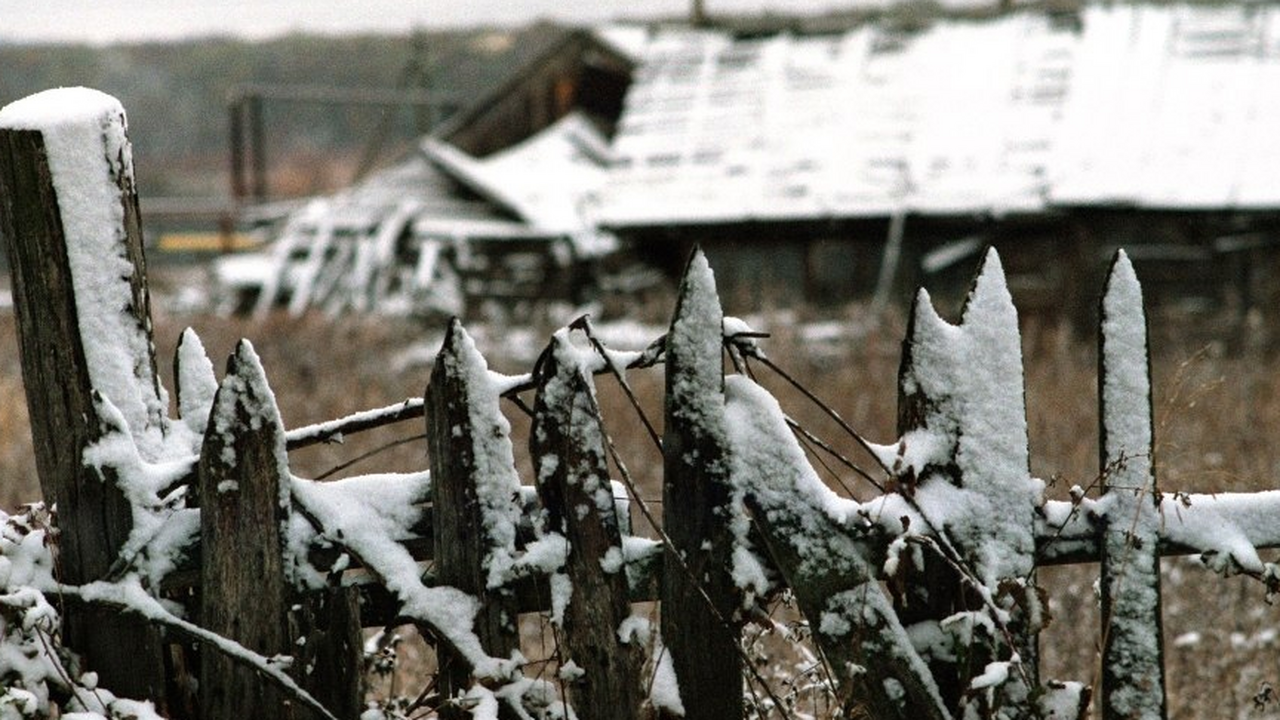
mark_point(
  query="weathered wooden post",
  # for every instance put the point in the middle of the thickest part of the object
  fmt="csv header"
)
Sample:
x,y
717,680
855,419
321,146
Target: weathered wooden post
x,y
475,491
243,486
1133,685
567,444
70,223
697,507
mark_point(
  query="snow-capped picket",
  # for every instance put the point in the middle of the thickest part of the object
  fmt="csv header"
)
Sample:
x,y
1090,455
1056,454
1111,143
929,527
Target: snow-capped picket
x,y
703,520
964,386
91,164
569,450
1133,666
196,383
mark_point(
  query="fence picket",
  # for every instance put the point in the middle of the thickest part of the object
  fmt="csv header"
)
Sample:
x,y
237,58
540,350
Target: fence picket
x,y
473,475
1133,685
59,375
696,507
243,489
567,444
962,423
194,381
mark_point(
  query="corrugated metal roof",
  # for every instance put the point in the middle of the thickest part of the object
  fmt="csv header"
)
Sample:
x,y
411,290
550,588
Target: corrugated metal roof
x,y
1156,106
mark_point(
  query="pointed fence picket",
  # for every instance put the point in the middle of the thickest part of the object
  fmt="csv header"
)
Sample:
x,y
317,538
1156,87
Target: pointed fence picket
x,y
281,565
700,599
242,485
472,471
1132,642
570,462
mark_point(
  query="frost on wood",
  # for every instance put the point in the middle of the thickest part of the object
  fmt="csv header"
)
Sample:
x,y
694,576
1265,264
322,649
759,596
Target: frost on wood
x,y
91,164
474,475
1133,675
807,530
699,515
567,443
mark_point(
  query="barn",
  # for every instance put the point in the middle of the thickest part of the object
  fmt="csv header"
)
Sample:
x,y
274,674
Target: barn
x,y
868,160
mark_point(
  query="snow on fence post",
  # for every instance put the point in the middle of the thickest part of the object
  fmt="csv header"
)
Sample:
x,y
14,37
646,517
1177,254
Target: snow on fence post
x,y
475,494
697,507
1133,685
963,462
243,489
603,660
70,223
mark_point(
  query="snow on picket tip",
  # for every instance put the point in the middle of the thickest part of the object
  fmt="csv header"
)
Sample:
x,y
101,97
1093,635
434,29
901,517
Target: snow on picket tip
x,y
1126,390
90,160
497,484
972,375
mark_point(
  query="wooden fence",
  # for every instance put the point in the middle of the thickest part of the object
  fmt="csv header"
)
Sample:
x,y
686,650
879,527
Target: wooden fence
x,y
922,602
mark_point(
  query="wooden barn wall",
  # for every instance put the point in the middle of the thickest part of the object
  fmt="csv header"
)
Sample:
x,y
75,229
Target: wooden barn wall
x,y
1191,262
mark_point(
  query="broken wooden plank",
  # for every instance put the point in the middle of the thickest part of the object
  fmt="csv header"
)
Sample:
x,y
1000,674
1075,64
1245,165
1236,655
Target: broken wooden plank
x,y
854,623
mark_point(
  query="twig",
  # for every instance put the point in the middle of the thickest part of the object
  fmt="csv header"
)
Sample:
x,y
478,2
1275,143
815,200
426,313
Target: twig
x,y
584,323
799,430
151,609
365,420
365,456
827,409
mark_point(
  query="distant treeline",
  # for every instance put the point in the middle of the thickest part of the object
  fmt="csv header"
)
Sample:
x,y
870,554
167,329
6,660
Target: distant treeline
x,y
176,93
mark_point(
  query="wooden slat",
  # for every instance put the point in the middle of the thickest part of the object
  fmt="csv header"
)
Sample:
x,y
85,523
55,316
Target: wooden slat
x,y
567,444
1133,685
696,507
243,504
473,475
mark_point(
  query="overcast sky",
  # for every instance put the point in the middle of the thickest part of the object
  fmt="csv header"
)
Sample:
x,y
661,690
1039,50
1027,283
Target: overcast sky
x,y
103,21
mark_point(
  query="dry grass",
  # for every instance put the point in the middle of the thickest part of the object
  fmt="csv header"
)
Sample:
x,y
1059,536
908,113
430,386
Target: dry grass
x,y
1217,417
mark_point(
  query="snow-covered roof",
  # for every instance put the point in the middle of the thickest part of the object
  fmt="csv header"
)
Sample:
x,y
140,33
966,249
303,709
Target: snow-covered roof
x,y
1159,106
542,180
